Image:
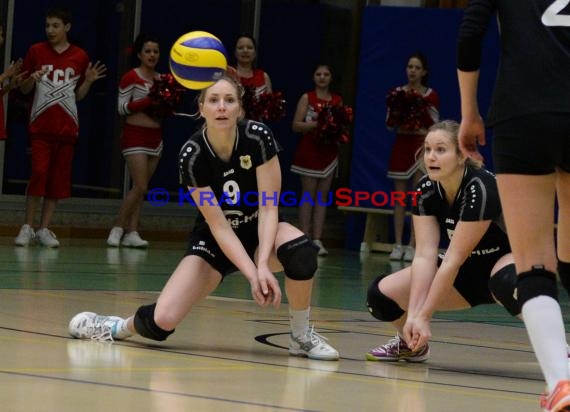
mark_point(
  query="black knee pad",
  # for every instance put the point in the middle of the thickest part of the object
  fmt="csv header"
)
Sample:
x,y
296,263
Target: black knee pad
x,y
564,274
299,258
534,283
145,325
503,285
381,306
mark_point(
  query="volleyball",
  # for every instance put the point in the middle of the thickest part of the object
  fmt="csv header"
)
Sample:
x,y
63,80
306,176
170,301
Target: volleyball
x,y
197,59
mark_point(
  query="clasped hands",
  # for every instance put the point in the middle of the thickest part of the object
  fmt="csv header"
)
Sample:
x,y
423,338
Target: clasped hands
x,y
265,288
417,332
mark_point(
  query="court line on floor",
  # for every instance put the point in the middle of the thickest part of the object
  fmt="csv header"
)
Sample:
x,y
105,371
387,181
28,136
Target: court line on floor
x,y
149,390
335,330
133,344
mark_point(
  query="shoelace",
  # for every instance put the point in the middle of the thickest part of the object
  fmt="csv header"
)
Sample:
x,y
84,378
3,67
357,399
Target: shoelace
x,y
100,331
316,338
394,342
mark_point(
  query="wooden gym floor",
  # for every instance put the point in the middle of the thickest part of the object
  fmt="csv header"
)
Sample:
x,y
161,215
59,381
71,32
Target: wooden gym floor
x,y
229,354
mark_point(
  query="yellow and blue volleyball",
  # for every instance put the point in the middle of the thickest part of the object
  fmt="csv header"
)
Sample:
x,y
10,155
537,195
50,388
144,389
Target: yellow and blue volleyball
x,y
197,60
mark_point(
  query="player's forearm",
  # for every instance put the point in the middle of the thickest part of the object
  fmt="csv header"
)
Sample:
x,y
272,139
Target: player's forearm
x,y
422,276
267,231
468,83
440,288
234,250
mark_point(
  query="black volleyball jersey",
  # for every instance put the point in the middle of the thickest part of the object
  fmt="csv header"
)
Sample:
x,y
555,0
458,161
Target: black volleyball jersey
x,y
477,199
534,70
233,183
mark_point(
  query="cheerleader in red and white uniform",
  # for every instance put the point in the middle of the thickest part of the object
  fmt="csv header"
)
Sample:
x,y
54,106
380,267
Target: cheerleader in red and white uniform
x,y
315,160
141,141
411,124
245,70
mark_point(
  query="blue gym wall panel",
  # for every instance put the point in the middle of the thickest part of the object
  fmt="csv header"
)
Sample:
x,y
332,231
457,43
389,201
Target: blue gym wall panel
x,y
389,35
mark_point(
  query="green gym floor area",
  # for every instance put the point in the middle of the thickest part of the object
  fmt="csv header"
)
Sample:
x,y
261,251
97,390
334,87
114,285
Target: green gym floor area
x,y
341,282
230,355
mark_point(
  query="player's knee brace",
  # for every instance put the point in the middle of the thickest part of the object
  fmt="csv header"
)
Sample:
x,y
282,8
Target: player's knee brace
x,y
564,274
381,306
502,285
299,258
145,325
534,283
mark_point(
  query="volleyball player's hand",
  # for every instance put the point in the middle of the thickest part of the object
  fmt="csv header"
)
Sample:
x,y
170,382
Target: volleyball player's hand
x,y
256,291
269,286
417,332
471,135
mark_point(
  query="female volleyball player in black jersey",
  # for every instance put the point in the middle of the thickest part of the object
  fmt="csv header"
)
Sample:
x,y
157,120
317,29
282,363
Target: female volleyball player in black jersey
x,y
530,115
233,175
457,200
